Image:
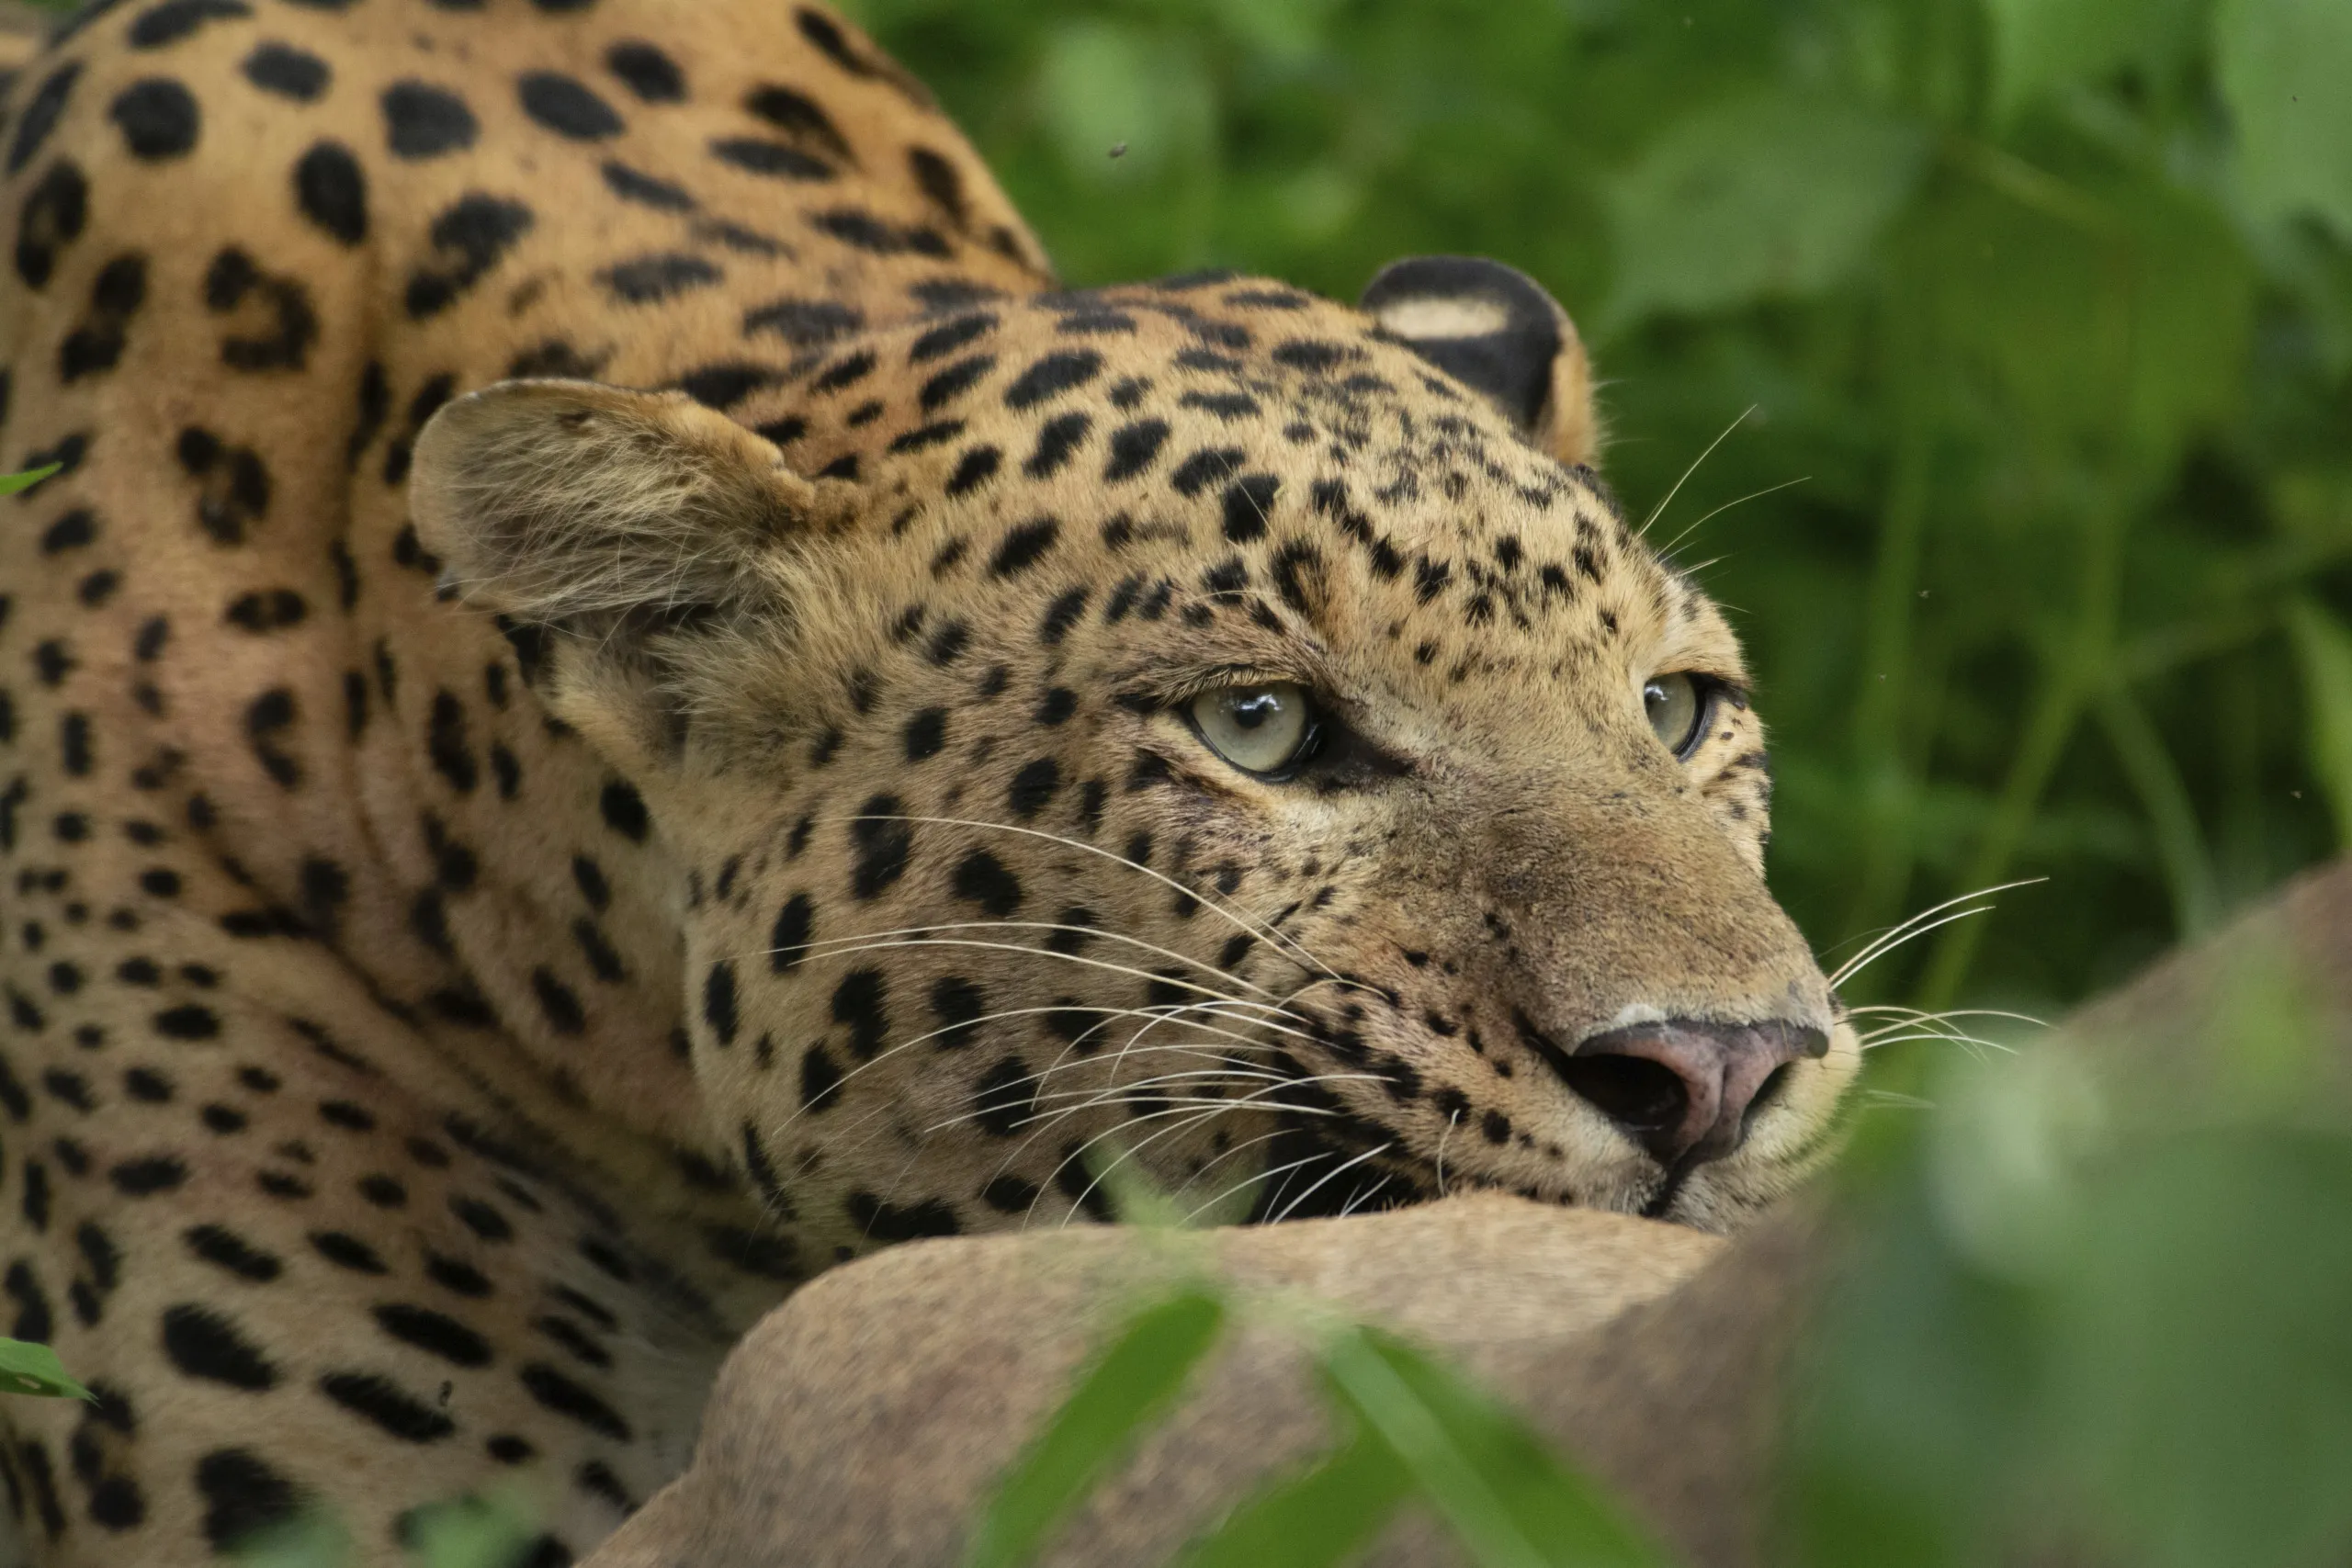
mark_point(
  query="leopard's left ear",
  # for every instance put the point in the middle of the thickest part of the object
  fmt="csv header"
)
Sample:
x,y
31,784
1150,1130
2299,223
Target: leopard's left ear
x,y
1494,328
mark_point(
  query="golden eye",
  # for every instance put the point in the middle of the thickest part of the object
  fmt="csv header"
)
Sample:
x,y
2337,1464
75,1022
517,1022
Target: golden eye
x,y
1260,729
1676,710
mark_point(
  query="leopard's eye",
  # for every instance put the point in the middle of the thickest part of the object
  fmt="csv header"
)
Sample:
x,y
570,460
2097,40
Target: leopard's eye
x,y
1676,708
1260,729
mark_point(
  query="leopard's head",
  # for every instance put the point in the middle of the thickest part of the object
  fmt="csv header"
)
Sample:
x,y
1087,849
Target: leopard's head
x,y
1196,723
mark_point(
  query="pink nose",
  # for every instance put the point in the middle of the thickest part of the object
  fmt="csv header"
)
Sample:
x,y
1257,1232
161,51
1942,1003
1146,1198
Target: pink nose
x,y
1683,1089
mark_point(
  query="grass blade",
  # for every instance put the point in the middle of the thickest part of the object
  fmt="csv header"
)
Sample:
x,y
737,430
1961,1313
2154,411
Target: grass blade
x,y
1492,1478
1136,1378
11,483
1315,1519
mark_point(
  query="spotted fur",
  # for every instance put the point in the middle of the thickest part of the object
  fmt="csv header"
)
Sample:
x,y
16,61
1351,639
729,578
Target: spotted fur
x,y
499,886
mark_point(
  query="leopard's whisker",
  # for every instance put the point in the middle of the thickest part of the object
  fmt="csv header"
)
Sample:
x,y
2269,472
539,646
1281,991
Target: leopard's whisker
x,y
1656,511
822,949
1291,1206
1903,931
1264,932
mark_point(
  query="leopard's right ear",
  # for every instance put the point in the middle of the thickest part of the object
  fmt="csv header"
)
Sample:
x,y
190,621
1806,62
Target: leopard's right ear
x,y
586,507
1495,328
651,540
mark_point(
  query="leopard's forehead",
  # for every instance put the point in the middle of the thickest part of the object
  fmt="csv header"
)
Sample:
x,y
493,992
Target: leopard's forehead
x,y
1235,445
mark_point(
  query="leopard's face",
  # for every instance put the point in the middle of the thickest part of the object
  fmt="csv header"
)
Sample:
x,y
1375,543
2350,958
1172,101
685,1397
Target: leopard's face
x,y
1176,727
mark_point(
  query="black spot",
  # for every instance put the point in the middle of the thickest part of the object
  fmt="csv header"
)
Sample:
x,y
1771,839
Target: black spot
x,y
289,323
1205,468
623,810
983,879
34,1321
949,336
630,184
189,1020
1053,375
1133,448
389,1406
757,155
881,846
644,70
798,116
863,230
939,181
1226,406
793,923
644,280
457,1275
242,1496
97,343
1024,547
1009,1195
1033,787
41,112
157,118
152,1174
468,239
204,1344
433,1332
1060,615
858,1002
718,1001
556,1001
267,611
1003,1098
226,1249
567,107
422,122
820,1079
566,1398
926,734
803,324
1248,502
332,192
957,1003
176,19
889,1222
1059,438
288,71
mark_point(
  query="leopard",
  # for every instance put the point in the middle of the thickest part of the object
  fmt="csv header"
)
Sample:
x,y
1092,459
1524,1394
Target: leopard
x,y
612,698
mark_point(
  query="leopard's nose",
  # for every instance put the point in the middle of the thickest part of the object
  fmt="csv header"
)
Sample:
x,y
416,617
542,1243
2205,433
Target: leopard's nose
x,y
1683,1089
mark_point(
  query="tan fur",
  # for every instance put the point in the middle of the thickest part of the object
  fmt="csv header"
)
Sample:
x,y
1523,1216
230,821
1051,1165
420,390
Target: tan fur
x,y
416,1072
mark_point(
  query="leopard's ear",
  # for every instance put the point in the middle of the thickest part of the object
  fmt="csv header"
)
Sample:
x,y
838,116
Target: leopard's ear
x,y
630,531
569,503
1494,328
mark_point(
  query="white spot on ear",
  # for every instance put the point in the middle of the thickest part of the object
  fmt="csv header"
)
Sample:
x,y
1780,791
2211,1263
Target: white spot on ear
x,y
1444,318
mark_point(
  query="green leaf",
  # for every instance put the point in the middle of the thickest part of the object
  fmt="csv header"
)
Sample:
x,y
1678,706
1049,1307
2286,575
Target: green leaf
x,y
27,1367
470,1532
2042,44
1138,1378
2282,65
12,483
1769,194
1314,1519
1493,1480
312,1539
2324,648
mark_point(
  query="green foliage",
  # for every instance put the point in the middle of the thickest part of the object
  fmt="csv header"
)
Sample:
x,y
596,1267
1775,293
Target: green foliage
x,y
1137,1378
30,1368
12,483
463,1532
2047,302
2099,1326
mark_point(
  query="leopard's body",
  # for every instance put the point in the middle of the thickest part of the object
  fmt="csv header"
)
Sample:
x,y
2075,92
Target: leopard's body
x,y
425,1053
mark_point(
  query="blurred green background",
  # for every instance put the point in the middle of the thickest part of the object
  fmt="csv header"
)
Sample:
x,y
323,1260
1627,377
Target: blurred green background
x,y
2044,311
